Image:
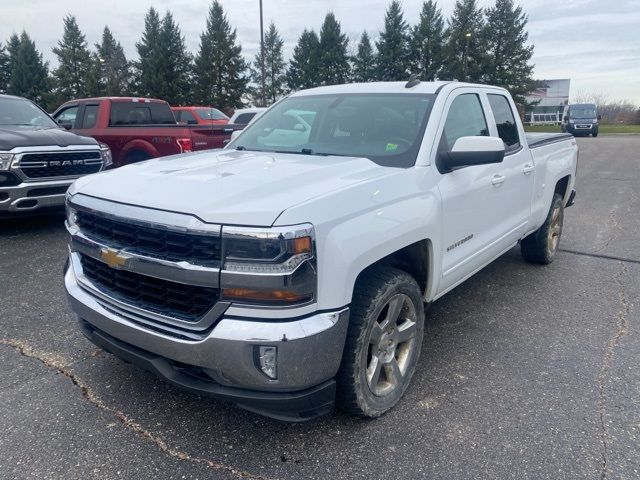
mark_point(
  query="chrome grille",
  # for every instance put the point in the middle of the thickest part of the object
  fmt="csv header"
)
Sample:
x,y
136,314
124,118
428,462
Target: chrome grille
x,y
60,164
152,242
185,302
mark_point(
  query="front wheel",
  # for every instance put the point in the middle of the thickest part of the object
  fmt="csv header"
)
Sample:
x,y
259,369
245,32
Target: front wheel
x,y
383,342
541,246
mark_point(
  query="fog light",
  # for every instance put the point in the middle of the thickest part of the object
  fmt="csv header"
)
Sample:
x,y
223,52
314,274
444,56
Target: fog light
x,y
267,358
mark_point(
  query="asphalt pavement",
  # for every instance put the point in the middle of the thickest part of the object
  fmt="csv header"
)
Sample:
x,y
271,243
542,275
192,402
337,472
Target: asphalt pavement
x,y
526,372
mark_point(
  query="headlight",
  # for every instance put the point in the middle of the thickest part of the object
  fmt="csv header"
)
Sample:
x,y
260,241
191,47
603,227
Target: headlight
x,y
107,158
71,214
5,160
273,266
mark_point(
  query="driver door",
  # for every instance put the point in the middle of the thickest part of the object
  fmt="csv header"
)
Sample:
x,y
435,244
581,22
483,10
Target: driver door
x,y
472,197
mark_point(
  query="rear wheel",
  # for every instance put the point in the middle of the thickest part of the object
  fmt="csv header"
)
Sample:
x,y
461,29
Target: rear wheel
x,y
541,246
136,156
383,343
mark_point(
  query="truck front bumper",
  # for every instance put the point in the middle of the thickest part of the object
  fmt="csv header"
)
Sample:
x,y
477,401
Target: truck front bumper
x,y
225,363
30,197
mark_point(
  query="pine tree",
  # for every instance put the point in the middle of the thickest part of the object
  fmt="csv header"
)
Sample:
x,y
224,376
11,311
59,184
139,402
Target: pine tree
x,y
364,63
508,57
303,67
12,46
274,67
29,74
150,66
114,70
333,61
74,62
427,41
5,71
220,69
464,51
177,63
93,85
392,59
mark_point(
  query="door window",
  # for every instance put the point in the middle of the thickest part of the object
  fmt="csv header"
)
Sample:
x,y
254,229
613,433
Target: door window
x,y
465,119
188,117
89,116
505,121
68,115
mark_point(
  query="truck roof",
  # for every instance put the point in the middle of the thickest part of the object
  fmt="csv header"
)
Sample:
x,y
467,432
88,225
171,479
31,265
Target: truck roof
x,y
118,99
386,87
588,105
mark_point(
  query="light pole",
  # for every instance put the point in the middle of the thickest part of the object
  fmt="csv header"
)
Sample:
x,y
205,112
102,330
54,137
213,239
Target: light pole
x,y
262,72
466,55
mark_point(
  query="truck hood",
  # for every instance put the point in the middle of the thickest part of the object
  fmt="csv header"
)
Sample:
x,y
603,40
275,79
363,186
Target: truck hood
x,y
15,137
228,187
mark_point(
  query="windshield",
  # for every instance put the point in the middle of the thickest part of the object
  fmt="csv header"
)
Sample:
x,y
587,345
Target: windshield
x,y
386,128
23,113
211,114
583,113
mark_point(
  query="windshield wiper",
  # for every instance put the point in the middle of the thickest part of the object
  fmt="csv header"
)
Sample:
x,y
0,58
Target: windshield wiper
x,y
309,151
241,147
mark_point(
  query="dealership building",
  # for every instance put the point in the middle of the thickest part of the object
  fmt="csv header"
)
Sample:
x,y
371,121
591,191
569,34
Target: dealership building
x,y
549,99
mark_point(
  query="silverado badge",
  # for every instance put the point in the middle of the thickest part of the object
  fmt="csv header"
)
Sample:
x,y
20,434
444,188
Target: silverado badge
x,y
113,258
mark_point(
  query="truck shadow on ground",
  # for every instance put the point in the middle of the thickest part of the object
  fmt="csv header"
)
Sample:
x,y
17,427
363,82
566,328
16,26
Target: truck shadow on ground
x,y
32,225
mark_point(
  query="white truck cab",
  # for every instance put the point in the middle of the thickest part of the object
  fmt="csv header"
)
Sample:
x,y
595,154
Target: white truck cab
x,y
291,268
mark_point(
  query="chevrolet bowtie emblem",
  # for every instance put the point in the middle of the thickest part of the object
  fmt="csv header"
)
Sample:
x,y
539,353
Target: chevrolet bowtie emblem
x,y
113,258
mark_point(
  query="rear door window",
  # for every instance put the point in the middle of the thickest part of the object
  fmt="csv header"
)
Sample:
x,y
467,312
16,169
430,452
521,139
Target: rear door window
x,y
140,113
89,116
505,121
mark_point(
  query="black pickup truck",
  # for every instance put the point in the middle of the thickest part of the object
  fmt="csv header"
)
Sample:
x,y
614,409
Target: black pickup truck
x,y
39,159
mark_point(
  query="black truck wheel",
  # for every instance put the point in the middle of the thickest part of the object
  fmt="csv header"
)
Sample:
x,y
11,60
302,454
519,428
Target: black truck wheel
x,y
383,343
541,246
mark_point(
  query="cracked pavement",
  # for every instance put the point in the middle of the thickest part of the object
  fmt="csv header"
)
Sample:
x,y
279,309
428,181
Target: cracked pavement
x,y
526,372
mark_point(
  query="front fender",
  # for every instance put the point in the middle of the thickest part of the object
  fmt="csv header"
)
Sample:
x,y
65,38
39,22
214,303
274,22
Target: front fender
x,y
364,223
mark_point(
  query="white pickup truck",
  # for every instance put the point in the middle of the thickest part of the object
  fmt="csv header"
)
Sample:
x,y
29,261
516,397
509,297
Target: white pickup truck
x,y
290,270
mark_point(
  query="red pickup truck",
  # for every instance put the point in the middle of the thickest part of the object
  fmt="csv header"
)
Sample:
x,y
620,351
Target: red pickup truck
x,y
138,128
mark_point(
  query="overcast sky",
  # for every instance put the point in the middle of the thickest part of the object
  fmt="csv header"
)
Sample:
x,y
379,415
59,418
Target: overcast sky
x,y
596,43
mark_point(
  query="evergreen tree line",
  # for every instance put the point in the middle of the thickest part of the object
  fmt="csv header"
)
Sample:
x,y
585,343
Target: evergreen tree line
x,y
474,44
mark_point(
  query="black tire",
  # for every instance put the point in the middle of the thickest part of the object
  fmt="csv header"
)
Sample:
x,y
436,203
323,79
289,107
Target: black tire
x,y
136,156
595,133
540,247
377,294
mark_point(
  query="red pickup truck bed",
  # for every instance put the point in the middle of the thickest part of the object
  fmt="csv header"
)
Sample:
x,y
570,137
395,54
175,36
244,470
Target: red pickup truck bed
x,y
138,128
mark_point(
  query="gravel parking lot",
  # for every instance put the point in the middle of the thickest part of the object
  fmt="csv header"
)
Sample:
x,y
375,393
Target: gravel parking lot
x,y
526,372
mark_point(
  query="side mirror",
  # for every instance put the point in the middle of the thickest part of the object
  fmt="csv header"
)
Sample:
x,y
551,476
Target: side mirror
x,y
233,136
469,151
566,118
65,124
599,117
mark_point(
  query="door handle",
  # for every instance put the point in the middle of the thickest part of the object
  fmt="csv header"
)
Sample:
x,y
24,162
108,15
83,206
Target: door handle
x,y
498,180
528,168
